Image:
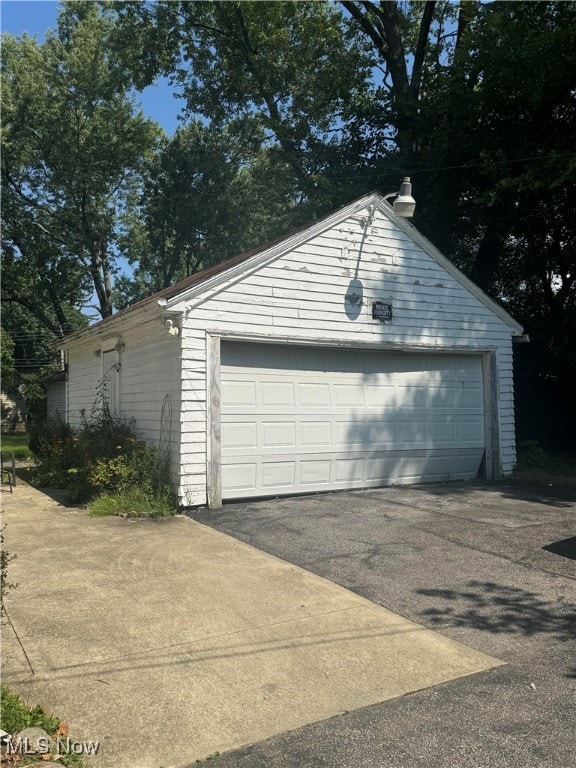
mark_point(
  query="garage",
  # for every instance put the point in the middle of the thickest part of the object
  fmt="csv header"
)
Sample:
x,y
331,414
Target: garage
x,y
347,354
298,419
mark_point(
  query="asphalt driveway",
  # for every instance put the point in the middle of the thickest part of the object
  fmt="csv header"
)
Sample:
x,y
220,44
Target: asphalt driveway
x,y
468,560
166,641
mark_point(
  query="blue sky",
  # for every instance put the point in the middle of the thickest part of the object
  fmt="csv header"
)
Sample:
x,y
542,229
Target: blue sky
x,y
36,17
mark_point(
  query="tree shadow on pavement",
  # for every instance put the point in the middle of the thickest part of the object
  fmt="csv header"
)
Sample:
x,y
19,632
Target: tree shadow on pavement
x,y
499,608
59,495
561,497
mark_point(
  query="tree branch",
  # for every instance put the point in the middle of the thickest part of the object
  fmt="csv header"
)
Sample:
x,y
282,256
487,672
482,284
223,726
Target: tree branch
x,y
367,26
420,53
34,308
279,127
388,12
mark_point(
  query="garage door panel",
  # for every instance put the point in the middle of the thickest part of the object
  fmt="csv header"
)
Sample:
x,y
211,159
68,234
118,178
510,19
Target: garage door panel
x,y
314,472
407,363
441,397
470,432
278,474
414,432
278,433
276,357
440,467
355,419
411,397
310,359
377,364
466,366
442,431
241,434
465,464
239,393
316,433
345,395
343,361
352,433
241,354
277,393
381,467
241,477
383,433
349,470
470,397
381,395
441,365
314,395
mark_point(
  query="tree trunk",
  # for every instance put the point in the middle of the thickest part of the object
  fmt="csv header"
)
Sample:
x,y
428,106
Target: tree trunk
x,y
100,271
382,24
487,260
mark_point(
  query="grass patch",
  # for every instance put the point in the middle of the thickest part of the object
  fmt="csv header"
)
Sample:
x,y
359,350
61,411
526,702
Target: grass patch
x,y
15,715
16,443
133,502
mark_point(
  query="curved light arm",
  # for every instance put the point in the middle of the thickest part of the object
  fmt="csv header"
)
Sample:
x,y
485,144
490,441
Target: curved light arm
x,y
404,204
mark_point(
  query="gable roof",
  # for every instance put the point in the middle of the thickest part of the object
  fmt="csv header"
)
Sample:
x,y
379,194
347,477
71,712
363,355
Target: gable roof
x,y
253,260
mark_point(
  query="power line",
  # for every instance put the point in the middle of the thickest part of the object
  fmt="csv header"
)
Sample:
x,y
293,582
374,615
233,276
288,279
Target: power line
x,y
408,172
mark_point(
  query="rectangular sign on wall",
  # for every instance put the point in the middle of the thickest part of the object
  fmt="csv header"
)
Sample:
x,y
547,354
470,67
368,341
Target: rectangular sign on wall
x,y
381,311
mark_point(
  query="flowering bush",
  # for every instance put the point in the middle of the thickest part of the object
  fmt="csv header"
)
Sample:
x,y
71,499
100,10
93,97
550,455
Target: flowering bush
x,y
135,466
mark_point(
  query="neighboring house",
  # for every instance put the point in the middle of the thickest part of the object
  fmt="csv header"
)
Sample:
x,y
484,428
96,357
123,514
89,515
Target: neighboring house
x,y
13,412
56,396
349,354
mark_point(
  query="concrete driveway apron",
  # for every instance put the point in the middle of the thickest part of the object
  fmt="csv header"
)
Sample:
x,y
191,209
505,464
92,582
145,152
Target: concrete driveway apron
x,y
168,641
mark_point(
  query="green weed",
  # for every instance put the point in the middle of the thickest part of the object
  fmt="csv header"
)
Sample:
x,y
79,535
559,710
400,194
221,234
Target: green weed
x,y
133,502
15,715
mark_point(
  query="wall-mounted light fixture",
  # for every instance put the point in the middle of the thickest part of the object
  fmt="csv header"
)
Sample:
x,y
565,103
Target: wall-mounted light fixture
x,y
404,204
171,327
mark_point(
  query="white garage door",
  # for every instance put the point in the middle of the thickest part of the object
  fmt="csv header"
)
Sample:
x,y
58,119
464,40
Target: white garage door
x,y
297,419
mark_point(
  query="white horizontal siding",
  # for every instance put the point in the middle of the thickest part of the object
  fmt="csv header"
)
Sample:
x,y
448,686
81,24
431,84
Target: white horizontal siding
x,y
56,400
506,409
149,370
301,297
84,375
193,416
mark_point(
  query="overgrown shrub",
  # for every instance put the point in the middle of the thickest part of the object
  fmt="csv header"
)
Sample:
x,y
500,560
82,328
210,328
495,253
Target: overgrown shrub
x,y
56,450
102,456
531,454
135,466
